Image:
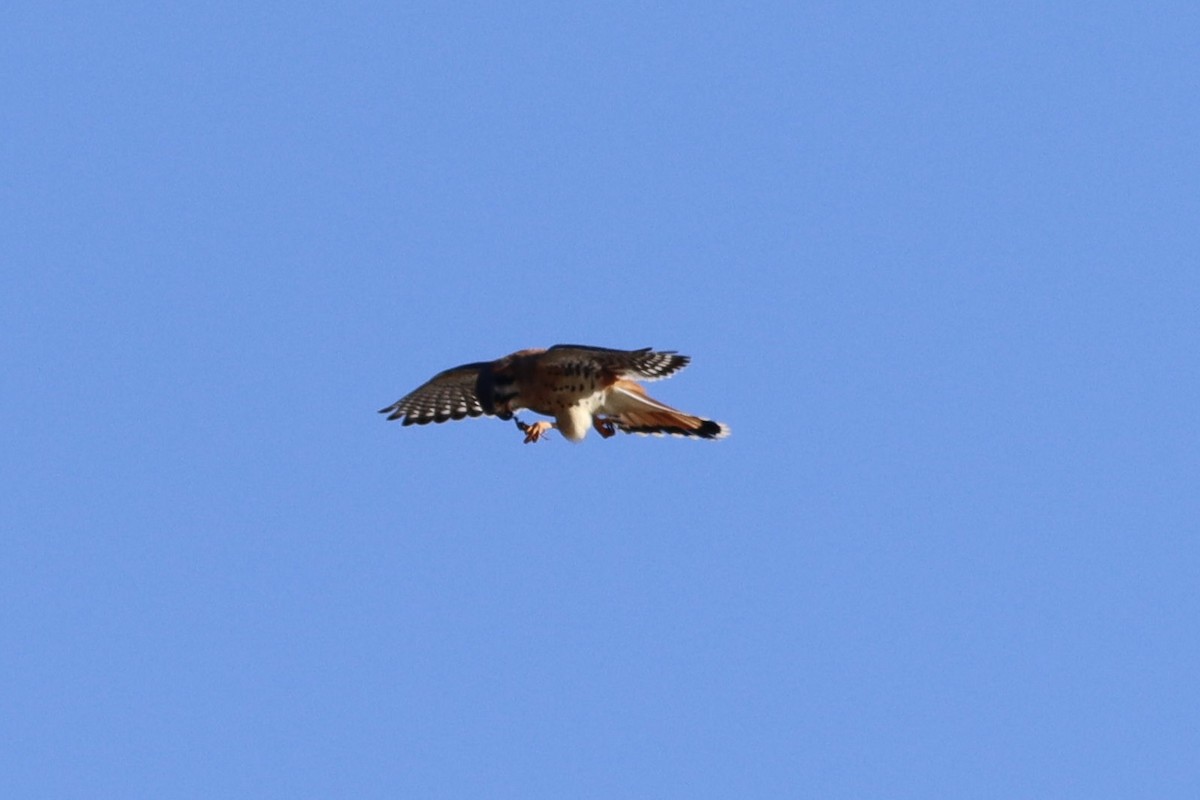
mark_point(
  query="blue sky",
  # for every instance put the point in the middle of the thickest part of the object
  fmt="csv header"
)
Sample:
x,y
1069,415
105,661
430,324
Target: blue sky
x,y
936,266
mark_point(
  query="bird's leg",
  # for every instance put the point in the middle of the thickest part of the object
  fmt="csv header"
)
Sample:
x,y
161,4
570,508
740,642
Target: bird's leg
x,y
604,426
535,431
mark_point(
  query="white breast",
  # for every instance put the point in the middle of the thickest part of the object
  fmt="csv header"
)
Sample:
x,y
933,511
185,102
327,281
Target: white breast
x,y
574,423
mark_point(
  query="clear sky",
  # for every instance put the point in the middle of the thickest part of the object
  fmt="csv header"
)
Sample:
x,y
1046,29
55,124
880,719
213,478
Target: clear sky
x,y
938,267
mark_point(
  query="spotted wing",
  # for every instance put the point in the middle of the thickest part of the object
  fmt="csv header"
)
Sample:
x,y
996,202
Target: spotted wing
x,y
644,365
447,395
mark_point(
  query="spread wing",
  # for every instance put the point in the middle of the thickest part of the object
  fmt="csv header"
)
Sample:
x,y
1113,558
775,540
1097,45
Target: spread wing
x,y
645,364
447,395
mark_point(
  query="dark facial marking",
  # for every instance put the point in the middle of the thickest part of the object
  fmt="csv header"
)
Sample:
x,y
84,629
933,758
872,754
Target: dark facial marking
x,y
494,391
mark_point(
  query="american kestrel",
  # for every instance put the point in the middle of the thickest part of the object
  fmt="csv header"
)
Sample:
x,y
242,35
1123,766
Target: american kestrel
x,y
581,387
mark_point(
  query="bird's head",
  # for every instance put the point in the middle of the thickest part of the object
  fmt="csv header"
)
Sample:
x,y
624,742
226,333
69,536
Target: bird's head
x,y
496,390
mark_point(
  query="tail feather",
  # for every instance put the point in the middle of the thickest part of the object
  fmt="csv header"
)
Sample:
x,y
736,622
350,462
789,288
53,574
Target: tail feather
x,y
660,423
633,411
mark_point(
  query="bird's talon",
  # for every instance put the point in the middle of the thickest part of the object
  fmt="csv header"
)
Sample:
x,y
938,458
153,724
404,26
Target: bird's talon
x,y
604,426
536,431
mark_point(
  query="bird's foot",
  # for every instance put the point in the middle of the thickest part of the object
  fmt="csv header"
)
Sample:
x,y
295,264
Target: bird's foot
x,y
604,426
535,431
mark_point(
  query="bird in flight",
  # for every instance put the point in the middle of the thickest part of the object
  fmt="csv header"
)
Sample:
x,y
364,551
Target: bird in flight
x,y
580,387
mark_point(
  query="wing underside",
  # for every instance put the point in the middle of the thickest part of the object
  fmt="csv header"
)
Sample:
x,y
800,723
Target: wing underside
x,y
446,396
